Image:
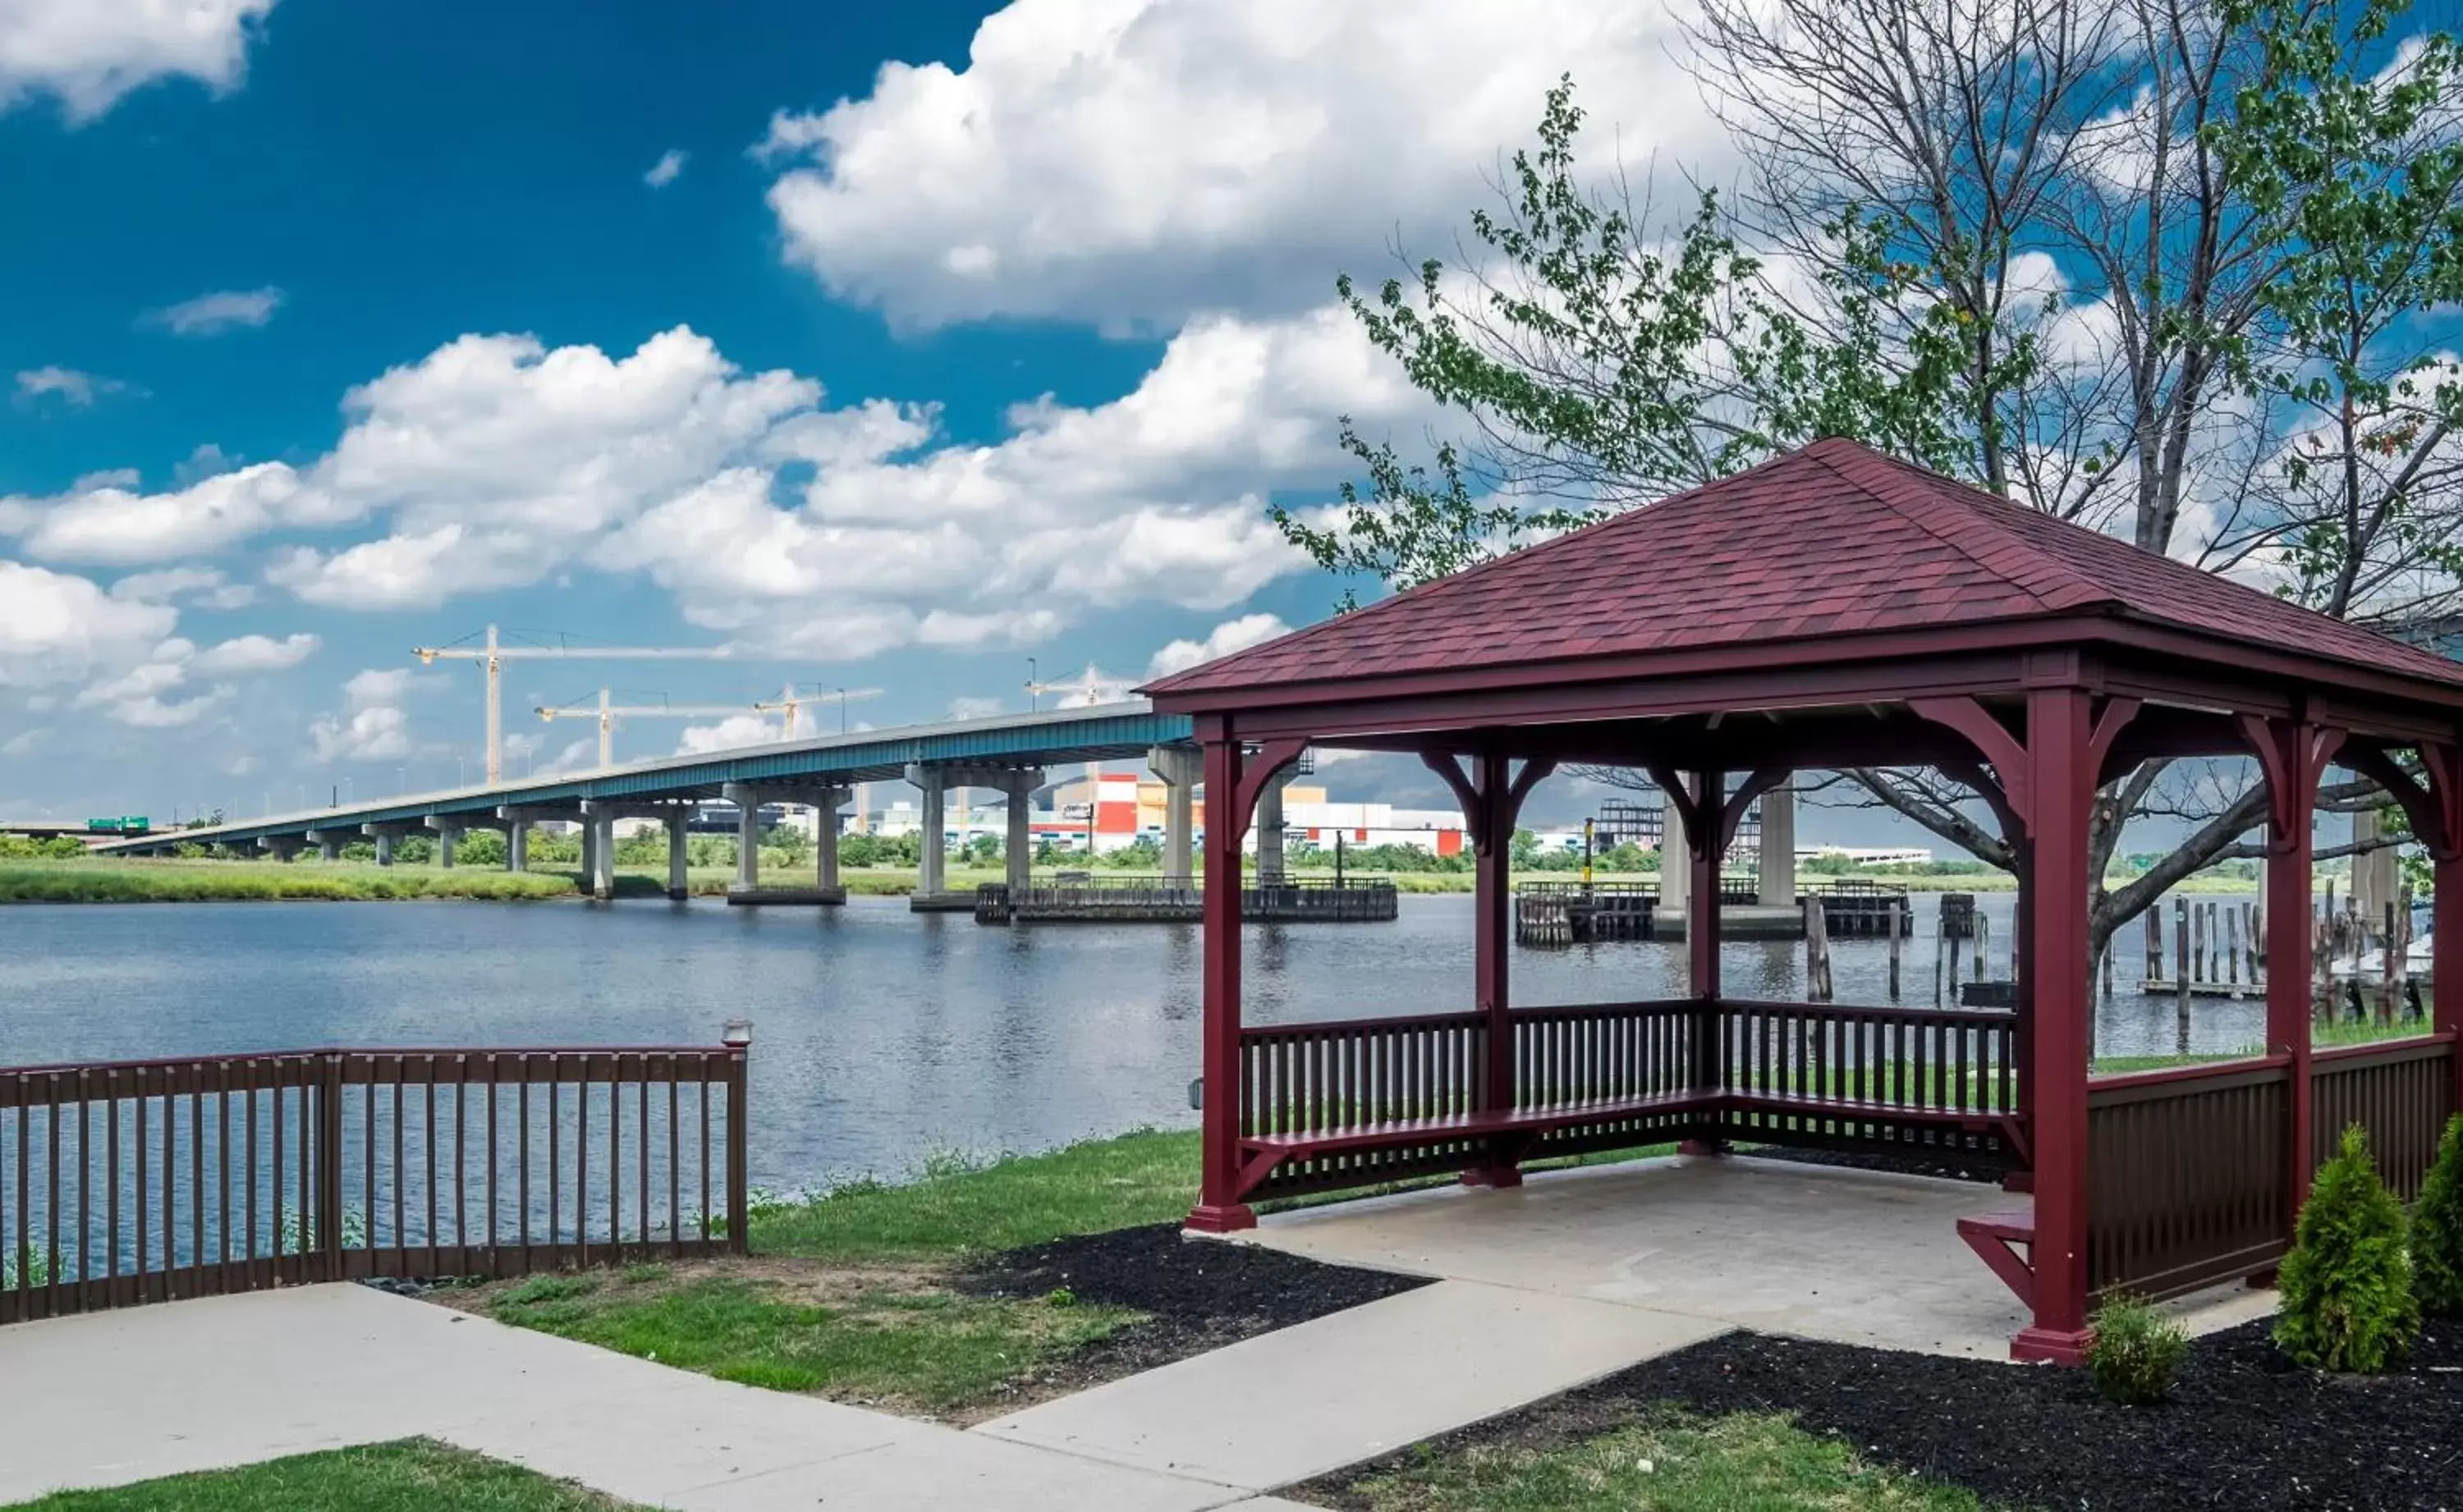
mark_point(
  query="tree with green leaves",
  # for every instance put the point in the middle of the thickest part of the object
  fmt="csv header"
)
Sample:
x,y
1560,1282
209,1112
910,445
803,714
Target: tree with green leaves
x,y
2055,249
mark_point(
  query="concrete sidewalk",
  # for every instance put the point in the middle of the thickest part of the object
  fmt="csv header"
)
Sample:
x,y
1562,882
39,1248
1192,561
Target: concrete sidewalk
x,y
118,1397
1299,1402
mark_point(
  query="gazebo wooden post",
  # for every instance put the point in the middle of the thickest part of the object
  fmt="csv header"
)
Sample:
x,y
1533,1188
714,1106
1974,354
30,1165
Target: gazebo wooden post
x,y
1219,1209
2292,755
2291,782
2060,792
2443,764
1493,847
1705,837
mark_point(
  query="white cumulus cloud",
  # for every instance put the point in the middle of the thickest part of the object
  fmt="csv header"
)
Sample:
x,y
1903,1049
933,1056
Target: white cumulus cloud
x,y
76,389
669,167
1233,634
1129,162
110,520
259,654
735,730
212,314
371,725
56,627
90,52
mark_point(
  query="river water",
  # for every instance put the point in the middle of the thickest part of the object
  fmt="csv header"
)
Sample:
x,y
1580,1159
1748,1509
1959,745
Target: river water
x,y
880,1035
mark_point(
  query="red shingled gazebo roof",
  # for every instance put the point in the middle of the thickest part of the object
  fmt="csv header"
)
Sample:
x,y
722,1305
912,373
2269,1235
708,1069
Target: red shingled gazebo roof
x,y
1831,541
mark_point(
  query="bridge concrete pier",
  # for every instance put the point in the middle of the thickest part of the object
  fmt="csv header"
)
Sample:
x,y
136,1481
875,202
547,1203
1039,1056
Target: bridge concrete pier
x,y
385,833
1180,769
1775,887
598,816
1017,784
679,855
825,799
517,819
281,847
1269,828
329,843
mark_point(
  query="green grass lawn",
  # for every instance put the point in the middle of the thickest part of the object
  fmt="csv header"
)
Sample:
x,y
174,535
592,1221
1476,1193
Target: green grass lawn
x,y
412,1475
849,1294
958,1207
1670,1462
895,1337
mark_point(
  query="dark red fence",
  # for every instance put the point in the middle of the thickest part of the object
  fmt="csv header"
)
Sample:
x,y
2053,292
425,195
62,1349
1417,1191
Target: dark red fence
x,y
1903,1080
1765,1072
146,1181
2188,1177
2401,1092
1316,1078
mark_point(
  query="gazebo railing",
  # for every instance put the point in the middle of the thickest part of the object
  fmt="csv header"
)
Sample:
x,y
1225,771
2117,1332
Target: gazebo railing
x,y
2187,1177
1349,1103
1602,1052
2400,1091
1934,1059
1349,1074
2187,1180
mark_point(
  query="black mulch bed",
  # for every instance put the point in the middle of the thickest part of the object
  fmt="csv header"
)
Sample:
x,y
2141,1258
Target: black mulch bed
x,y
1199,1294
2245,1429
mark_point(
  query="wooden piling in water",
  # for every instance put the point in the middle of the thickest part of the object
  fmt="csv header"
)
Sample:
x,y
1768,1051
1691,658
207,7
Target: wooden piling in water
x,y
1818,980
2181,958
1898,910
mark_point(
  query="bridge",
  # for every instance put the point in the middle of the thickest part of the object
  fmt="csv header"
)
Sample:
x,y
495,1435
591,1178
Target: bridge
x,y
1006,754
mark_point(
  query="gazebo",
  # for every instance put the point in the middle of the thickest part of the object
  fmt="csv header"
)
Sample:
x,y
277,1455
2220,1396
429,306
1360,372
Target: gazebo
x,y
1830,609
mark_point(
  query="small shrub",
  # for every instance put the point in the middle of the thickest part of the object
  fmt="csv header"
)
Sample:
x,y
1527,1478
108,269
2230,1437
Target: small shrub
x,y
2347,1285
2135,1354
2437,1229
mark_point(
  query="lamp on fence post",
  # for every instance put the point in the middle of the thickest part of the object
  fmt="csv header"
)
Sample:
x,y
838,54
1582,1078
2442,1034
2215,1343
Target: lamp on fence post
x,y
735,1034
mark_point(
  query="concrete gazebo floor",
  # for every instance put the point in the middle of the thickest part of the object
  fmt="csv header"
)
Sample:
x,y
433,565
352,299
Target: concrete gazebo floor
x,y
1820,1252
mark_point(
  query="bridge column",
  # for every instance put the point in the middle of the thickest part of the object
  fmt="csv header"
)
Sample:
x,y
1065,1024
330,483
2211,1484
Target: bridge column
x,y
1778,884
448,835
1017,840
383,837
748,834
517,847
281,847
931,874
328,844
1675,865
1270,829
598,848
1180,767
679,852
825,839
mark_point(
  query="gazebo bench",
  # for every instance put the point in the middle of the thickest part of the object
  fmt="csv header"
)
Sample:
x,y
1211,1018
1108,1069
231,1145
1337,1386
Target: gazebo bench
x,y
1263,1152
2009,1126
1995,1236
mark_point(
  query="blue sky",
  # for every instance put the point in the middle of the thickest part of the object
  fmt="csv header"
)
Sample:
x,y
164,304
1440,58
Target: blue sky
x,y
947,337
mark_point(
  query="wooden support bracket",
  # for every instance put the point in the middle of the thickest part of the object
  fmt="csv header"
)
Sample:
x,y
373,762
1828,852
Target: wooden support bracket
x,y
1992,738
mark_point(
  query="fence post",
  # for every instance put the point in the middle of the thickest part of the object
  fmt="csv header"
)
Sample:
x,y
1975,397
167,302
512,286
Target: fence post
x,y
328,1264
737,1037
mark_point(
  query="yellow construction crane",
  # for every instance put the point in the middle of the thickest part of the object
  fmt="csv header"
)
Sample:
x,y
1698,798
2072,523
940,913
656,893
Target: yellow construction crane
x,y
791,703
609,712
494,656
1098,687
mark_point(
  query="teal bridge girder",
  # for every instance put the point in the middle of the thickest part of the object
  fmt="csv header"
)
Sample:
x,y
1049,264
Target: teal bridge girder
x,y
1099,732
